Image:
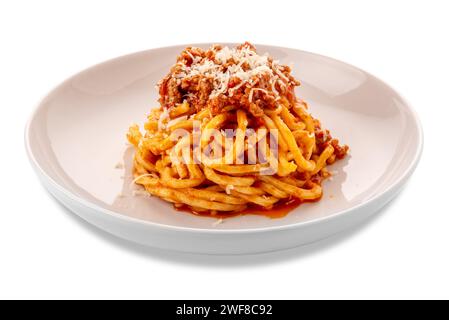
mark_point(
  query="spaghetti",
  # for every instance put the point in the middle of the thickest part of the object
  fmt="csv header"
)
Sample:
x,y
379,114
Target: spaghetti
x,y
230,134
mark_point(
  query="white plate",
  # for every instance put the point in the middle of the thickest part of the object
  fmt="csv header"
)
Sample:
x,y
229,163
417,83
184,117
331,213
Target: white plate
x,y
76,137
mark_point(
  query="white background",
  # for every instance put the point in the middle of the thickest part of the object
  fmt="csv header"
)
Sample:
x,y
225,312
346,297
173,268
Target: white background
x,y
46,252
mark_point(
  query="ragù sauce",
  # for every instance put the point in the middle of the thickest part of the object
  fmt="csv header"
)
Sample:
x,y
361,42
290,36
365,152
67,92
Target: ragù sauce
x,y
280,210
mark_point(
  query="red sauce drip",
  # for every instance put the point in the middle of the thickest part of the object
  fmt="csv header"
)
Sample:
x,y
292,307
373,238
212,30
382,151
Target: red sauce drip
x,y
281,209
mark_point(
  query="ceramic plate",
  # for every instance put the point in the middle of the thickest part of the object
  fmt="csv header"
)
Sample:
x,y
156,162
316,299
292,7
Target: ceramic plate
x,y
76,138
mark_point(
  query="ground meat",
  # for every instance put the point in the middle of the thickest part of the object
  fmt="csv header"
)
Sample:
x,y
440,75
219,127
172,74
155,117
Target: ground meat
x,y
198,78
323,139
340,151
173,94
205,88
248,45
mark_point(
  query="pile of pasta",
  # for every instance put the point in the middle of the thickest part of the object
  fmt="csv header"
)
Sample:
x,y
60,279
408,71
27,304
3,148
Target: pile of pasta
x,y
225,185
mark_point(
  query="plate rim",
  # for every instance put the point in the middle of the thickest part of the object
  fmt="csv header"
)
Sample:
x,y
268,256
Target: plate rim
x,y
117,215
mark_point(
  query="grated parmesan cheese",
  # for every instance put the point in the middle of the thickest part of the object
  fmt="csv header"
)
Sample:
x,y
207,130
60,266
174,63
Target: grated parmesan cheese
x,y
119,165
246,65
152,175
216,223
250,97
162,118
229,187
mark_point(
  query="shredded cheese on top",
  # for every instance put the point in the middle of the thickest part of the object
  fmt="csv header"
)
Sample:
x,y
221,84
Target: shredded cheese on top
x,y
242,63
